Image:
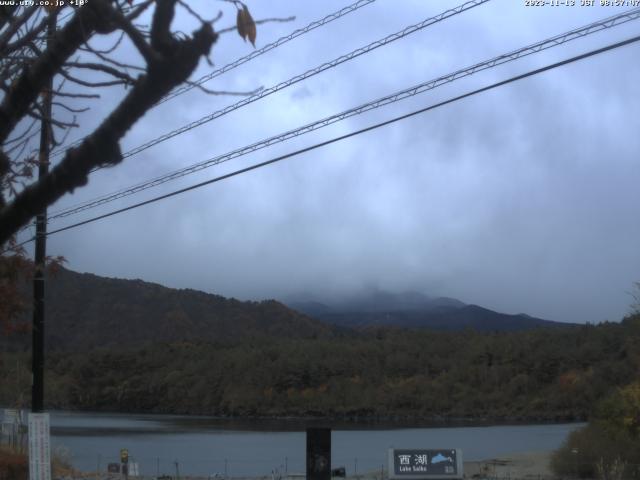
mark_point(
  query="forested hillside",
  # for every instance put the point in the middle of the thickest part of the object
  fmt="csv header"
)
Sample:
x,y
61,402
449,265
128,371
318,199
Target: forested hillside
x,y
86,311
129,345
446,318
546,374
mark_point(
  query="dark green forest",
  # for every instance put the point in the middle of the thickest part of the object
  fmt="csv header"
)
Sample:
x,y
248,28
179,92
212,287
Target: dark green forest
x,y
539,375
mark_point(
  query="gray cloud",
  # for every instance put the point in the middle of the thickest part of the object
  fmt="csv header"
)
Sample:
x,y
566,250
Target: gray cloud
x,y
523,199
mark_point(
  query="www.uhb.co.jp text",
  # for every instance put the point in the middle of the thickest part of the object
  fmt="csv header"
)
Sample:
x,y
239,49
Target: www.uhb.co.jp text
x,y
42,3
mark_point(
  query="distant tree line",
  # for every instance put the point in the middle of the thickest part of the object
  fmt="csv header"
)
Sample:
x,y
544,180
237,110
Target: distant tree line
x,y
539,375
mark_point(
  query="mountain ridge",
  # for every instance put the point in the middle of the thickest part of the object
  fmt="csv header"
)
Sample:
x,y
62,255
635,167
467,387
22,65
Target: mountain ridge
x,y
415,310
85,311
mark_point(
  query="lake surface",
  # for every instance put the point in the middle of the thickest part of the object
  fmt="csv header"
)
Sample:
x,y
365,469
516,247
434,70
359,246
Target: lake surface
x,y
204,446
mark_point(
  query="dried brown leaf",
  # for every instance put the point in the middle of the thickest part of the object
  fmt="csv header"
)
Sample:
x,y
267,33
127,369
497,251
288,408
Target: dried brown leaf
x,y
250,26
240,23
246,25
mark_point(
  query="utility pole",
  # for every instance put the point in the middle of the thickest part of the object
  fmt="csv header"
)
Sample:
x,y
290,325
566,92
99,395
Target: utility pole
x,y
37,365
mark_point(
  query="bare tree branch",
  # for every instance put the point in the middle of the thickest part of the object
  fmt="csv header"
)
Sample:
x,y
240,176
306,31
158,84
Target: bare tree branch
x,y
89,48
26,39
37,114
103,68
136,37
94,16
76,95
174,62
161,38
69,109
22,135
6,14
28,64
91,84
15,25
197,16
104,58
18,149
139,10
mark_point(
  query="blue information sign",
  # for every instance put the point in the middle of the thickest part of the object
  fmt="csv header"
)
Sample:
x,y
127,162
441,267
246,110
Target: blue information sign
x,y
425,463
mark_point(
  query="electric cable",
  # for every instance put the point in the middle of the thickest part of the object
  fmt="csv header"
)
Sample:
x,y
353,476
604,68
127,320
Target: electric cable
x,y
303,76
386,100
256,53
354,133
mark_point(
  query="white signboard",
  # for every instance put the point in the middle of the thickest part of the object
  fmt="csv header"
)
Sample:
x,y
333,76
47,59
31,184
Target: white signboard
x,y
39,447
10,415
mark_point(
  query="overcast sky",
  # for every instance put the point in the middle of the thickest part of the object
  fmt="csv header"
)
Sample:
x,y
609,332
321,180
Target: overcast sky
x,y
522,199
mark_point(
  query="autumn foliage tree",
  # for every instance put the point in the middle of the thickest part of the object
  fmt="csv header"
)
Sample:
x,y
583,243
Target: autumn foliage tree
x,y
13,303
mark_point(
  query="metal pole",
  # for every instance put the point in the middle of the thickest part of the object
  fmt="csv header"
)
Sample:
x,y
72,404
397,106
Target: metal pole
x,y
37,367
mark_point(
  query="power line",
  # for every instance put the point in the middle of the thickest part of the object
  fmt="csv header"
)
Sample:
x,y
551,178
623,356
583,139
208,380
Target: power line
x,y
303,76
309,73
298,78
256,53
357,132
395,97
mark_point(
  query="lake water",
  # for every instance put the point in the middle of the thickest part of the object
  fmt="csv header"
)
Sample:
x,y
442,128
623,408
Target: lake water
x,y
204,446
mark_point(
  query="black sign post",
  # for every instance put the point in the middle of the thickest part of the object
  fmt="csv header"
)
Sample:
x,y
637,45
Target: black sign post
x,y
414,464
318,454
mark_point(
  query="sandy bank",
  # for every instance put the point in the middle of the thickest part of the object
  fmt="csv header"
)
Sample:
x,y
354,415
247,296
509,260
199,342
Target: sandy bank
x,y
520,465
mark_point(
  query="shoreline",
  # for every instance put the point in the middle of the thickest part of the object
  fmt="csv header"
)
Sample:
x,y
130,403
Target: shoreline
x,y
375,421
